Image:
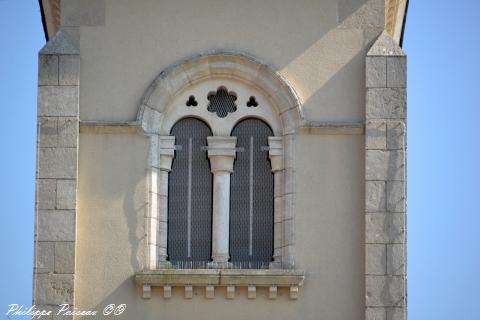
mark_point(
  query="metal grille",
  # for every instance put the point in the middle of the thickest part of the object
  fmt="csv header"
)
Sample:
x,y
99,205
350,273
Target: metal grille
x,y
251,198
190,197
222,102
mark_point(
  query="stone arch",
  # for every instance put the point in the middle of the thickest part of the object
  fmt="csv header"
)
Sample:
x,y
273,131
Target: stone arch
x,y
155,116
240,67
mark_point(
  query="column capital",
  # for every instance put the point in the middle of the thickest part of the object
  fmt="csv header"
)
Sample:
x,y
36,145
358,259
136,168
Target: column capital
x,y
166,150
275,153
166,145
221,152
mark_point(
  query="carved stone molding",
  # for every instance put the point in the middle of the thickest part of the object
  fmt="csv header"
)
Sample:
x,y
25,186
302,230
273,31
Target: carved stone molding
x,y
221,278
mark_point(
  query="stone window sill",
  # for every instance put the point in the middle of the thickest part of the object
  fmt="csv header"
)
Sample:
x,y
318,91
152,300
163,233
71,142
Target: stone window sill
x,y
211,278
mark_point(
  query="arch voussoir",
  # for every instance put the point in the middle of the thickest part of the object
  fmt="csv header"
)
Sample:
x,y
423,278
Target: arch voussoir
x,y
214,65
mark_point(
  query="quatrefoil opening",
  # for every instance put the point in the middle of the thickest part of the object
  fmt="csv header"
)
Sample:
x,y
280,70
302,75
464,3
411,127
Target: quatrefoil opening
x,y
222,102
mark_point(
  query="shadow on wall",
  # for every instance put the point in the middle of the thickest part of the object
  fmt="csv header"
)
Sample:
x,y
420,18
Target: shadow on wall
x,y
111,210
342,50
137,234
308,45
343,106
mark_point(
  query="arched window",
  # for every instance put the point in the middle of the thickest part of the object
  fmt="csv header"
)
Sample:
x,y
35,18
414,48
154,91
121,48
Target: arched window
x,y
251,197
190,197
244,217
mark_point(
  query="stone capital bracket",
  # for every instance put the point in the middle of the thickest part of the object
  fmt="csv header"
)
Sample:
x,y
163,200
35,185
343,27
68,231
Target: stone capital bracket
x,y
222,153
275,153
166,150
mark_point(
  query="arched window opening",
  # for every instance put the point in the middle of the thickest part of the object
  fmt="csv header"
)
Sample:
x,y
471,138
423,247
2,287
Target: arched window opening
x,y
251,197
190,197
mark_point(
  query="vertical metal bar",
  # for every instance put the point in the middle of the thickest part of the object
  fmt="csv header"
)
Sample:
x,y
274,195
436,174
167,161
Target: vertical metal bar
x,y
250,245
189,199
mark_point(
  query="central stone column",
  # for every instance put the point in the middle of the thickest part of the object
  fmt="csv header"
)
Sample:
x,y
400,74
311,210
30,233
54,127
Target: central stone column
x,y
221,152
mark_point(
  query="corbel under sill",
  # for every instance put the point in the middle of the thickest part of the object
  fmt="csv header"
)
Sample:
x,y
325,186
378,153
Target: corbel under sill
x,y
211,278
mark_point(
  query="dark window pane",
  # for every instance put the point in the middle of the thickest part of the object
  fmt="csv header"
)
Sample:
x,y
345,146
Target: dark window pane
x,y
190,197
251,197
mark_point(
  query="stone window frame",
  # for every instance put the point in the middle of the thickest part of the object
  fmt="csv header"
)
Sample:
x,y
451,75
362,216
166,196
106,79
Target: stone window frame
x,y
156,118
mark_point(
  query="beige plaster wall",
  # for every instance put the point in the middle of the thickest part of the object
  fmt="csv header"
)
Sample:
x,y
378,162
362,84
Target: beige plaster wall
x,y
329,240
320,52
318,45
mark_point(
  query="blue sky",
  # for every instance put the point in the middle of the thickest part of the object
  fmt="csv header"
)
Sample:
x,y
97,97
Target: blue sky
x,y
442,41
21,37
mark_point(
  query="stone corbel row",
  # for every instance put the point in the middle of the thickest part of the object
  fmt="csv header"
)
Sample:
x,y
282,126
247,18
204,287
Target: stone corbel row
x,y
210,292
212,278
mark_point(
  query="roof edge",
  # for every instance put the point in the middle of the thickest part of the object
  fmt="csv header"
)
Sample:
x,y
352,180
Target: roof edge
x,y
395,17
404,23
44,22
50,11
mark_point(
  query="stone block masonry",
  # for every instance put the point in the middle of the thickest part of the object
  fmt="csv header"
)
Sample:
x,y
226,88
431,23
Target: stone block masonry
x,y
385,182
56,179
